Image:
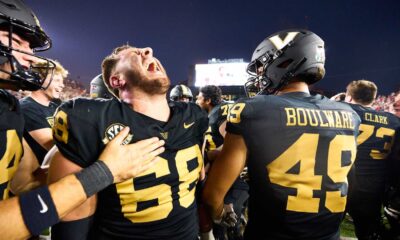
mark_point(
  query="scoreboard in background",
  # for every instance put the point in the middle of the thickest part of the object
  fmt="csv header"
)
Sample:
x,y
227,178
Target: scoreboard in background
x,y
221,73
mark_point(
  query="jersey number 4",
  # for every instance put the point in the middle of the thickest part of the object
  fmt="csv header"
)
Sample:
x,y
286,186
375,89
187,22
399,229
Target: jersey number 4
x,y
9,161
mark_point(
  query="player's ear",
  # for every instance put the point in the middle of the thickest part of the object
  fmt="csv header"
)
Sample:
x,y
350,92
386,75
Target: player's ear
x,y
116,81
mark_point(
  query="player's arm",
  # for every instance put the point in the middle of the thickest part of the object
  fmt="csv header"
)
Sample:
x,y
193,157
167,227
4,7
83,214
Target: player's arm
x,y
213,154
44,137
24,178
27,214
76,224
222,128
70,134
66,195
223,173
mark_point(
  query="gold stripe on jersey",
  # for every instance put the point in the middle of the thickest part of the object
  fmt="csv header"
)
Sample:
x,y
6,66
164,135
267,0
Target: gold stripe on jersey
x,y
304,117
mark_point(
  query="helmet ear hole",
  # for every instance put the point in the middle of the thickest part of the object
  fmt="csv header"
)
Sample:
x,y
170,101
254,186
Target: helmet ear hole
x,y
285,63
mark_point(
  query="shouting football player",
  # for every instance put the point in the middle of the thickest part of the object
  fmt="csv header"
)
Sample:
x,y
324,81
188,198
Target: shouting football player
x,y
298,147
158,204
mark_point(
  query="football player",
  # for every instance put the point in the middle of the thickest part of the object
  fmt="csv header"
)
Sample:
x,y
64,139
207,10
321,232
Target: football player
x,y
181,93
207,100
210,100
298,147
377,132
38,110
18,40
20,34
158,204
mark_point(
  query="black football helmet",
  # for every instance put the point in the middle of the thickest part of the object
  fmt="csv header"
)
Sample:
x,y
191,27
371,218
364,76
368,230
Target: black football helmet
x,y
179,92
282,56
98,88
17,18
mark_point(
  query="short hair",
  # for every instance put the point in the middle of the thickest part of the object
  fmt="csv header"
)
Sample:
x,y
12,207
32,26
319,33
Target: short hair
x,y
362,91
213,93
42,68
108,65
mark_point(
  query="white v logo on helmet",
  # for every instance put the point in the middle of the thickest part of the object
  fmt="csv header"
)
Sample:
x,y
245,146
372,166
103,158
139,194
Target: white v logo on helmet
x,y
279,43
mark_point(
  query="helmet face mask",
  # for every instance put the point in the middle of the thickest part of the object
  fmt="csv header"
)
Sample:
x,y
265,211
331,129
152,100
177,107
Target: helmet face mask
x,y
276,61
16,19
20,77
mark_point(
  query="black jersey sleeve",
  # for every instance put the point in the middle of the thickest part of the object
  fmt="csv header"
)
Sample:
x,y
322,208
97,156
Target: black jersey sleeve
x,y
223,113
238,112
74,134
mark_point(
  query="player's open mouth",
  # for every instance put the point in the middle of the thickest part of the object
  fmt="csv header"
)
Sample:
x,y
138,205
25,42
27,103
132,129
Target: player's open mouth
x,y
153,67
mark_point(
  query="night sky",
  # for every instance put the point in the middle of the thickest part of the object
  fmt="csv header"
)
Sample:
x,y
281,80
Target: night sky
x,y
362,38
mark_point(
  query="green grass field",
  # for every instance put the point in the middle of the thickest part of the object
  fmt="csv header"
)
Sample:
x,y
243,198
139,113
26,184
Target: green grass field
x,y
347,227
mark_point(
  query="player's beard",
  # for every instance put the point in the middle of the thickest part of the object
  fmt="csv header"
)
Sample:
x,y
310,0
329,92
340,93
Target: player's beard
x,y
150,86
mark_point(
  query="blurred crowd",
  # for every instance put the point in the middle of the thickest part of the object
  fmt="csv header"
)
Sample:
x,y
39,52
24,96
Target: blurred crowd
x,y
390,103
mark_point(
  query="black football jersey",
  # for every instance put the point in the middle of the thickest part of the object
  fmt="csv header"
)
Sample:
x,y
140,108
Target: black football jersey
x,y
300,150
157,204
377,133
217,116
37,116
11,129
